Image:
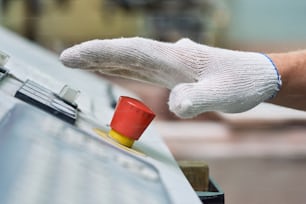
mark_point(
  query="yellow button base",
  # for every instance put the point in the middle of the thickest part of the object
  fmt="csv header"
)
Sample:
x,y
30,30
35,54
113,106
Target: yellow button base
x,y
121,138
105,136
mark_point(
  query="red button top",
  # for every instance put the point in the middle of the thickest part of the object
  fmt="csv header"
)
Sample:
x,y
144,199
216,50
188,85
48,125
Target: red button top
x,y
131,117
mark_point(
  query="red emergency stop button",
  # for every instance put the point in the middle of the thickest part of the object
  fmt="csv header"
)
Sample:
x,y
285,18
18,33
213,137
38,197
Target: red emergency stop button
x,y
130,120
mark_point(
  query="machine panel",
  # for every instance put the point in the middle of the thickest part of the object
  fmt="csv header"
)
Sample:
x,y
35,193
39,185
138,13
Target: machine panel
x,y
55,148
54,162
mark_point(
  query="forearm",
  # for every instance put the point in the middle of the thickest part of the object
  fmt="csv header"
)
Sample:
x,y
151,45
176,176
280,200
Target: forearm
x,y
292,68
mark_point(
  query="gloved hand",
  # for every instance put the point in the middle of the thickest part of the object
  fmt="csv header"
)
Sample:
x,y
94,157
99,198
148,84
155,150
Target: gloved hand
x,y
201,78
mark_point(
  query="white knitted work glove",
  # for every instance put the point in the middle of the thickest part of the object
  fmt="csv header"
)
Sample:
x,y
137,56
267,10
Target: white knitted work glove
x,y
201,78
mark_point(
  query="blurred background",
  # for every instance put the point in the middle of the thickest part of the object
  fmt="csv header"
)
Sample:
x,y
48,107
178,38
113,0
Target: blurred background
x,y
256,157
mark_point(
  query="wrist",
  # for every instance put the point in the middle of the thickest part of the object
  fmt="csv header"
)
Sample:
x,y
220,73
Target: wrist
x,y
291,67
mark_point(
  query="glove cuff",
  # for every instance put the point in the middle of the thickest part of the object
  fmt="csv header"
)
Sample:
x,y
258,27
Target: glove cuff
x,y
279,81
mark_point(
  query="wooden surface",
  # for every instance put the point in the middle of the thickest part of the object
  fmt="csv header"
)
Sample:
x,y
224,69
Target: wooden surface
x,y
252,163
197,173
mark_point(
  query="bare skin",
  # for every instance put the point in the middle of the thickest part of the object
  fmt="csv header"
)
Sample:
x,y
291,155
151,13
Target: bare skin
x,y
292,68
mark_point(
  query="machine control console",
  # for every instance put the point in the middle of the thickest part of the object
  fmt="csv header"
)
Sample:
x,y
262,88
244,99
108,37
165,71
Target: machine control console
x,y
43,98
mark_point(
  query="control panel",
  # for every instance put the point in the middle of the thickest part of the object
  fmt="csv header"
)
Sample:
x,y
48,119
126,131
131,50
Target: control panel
x,y
62,140
43,98
54,162
3,73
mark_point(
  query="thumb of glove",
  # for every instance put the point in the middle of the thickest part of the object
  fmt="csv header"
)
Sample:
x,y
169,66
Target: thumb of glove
x,y
188,100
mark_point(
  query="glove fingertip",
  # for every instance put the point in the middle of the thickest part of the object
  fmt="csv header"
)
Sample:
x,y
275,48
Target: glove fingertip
x,y
181,108
72,59
180,103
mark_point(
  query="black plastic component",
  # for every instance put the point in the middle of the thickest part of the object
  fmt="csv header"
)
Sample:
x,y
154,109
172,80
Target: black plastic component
x,y
214,195
3,73
45,99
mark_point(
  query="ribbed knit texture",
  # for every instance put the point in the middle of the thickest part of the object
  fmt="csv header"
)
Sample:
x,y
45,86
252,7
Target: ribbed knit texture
x,y
201,78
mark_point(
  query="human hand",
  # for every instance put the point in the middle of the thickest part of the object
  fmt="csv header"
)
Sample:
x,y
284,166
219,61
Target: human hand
x,y
201,78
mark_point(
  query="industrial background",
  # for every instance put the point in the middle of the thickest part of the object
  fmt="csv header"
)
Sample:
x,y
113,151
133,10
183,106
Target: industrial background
x,y
256,157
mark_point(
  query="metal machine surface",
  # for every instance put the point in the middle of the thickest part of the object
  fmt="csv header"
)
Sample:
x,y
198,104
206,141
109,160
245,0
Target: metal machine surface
x,y
55,151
